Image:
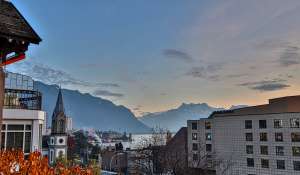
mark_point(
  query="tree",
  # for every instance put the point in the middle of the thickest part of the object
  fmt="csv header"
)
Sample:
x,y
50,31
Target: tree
x,y
206,161
13,162
146,159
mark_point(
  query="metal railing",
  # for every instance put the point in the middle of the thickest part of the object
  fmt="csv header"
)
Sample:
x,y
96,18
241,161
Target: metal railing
x,y
22,99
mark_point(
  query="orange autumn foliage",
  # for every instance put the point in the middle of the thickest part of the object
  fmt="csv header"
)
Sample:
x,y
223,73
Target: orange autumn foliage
x,y
13,162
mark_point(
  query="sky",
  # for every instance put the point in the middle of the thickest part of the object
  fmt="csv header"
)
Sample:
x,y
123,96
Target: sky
x,y
153,55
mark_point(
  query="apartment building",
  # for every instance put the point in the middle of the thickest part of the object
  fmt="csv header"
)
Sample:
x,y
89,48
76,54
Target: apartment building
x,y
262,139
23,119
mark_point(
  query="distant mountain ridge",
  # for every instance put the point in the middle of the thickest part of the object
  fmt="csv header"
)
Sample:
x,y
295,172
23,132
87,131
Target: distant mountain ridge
x,y
88,111
174,119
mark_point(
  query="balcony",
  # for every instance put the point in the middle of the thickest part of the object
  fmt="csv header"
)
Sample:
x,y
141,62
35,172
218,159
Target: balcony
x,y
22,99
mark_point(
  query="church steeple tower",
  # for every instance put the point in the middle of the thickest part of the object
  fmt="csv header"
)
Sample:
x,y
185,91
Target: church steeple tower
x,y
59,118
58,137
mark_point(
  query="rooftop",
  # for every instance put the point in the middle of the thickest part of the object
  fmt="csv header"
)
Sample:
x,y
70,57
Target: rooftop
x,y
13,25
289,104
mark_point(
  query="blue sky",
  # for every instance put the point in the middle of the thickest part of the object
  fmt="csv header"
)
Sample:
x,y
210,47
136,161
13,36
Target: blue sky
x,y
154,55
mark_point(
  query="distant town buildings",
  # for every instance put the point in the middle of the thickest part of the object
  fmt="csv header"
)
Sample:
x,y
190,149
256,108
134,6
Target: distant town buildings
x,y
262,139
23,119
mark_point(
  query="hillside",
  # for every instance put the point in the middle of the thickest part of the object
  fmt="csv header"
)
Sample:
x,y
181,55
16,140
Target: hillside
x,y
88,111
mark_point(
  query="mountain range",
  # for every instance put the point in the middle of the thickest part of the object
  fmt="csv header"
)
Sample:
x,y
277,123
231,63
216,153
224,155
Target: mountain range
x,y
174,119
88,111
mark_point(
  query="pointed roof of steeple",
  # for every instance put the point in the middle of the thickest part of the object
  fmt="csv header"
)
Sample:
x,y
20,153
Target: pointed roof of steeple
x,y
59,107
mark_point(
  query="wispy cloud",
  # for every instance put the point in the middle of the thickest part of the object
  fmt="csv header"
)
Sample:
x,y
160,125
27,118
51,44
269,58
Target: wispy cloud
x,y
108,85
163,94
106,93
51,75
266,85
178,54
238,75
290,56
270,87
197,72
208,72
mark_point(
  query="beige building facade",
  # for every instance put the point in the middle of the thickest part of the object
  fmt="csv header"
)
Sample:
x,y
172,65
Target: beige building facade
x,y
261,139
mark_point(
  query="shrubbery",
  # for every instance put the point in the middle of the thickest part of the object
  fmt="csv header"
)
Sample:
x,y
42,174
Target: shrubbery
x,y
13,162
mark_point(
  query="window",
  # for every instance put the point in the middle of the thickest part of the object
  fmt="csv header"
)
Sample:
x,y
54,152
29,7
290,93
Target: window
x,y
195,157
264,163
61,126
208,136
264,150
28,127
51,155
194,126
40,136
250,162
263,136
61,141
295,123
208,147
249,149
296,151
297,165
278,137
195,146
61,153
3,127
27,142
262,124
15,127
17,136
278,123
279,150
295,136
14,140
207,125
280,164
249,137
3,140
248,124
194,136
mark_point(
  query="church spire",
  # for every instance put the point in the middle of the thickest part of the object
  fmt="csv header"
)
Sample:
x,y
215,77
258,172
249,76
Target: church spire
x,y
59,117
59,107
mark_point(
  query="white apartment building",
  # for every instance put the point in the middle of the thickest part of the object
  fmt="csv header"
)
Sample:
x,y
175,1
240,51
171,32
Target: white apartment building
x,y
258,140
23,119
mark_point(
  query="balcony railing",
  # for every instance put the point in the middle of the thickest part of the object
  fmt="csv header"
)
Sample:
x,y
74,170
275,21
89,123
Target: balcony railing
x,y
22,99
